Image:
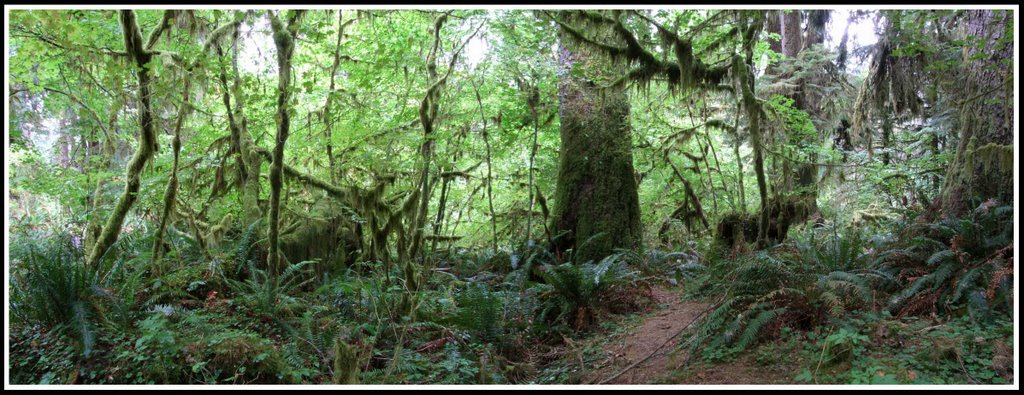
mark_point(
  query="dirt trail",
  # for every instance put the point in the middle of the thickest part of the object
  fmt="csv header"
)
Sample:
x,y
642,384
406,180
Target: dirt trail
x,y
645,339
666,365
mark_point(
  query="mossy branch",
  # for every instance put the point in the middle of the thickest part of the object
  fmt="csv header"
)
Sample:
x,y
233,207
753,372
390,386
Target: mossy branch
x,y
147,140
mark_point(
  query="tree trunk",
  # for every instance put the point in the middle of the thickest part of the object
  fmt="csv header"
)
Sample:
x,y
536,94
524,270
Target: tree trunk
x,y
147,139
171,192
487,144
773,24
596,191
983,166
285,44
805,183
109,147
328,120
791,33
743,71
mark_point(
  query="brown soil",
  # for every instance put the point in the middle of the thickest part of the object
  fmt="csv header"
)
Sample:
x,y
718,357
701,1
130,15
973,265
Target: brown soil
x,y
660,327
657,329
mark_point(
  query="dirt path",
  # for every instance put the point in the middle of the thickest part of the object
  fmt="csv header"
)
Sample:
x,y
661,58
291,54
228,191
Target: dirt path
x,y
640,342
666,365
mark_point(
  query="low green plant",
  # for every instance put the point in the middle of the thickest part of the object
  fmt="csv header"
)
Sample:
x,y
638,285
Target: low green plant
x,y
575,293
270,296
52,287
955,264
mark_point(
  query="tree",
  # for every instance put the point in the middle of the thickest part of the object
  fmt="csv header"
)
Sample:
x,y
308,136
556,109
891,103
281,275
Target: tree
x,y
284,41
801,178
596,195
983,165
139,53
979,86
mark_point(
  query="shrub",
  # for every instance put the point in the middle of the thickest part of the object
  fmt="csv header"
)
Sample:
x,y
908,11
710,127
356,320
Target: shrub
x,y
955,264
52,287
576,293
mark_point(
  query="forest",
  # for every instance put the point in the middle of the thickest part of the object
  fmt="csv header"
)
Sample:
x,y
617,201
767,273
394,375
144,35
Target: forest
x,y
511,196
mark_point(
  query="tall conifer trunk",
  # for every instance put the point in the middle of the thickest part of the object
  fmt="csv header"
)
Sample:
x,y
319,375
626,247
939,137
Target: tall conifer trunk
x,y
596,191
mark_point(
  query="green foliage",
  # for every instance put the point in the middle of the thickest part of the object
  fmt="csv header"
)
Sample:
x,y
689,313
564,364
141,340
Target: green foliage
x,y
268,296
52,287
480,312
156,350
797,123
828,277
576,293
898,296
962,264
676,266
871,348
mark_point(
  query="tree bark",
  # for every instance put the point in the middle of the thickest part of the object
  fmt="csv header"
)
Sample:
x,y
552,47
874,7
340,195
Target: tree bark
x,y
133,42
983,165
791,33
596,191
285,44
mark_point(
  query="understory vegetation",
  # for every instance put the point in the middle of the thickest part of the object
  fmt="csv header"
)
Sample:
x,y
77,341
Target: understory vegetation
x,y
487,196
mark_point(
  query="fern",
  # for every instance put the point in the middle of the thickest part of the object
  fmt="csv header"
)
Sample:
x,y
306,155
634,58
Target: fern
x,y
480,312
269,295
245,244
754,326
967,282
52,287
573,293
940,256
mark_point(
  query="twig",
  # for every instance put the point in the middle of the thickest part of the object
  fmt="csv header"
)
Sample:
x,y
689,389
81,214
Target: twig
x,y
821,357
964,368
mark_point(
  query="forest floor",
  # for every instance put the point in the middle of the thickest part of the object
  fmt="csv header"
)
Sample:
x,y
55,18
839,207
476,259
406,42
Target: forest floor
x,y
648,347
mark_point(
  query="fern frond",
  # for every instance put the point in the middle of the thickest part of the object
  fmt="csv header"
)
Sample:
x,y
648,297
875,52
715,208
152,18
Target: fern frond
x,y
752,331
941,256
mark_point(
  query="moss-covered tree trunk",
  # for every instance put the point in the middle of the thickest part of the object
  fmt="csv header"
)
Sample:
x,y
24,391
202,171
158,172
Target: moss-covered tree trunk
x,y
328,119
805,176
245,151
171,192
428,113
140,58
983,166
596,191
791,33
773,24
743,72
285,44
184,111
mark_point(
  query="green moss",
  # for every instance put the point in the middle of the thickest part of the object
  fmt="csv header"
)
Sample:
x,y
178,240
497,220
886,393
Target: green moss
x,y
346,363
596,195
147,141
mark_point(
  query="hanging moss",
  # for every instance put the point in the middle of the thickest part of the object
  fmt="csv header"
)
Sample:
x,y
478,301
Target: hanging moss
x,y
684,74
327,235
999,155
